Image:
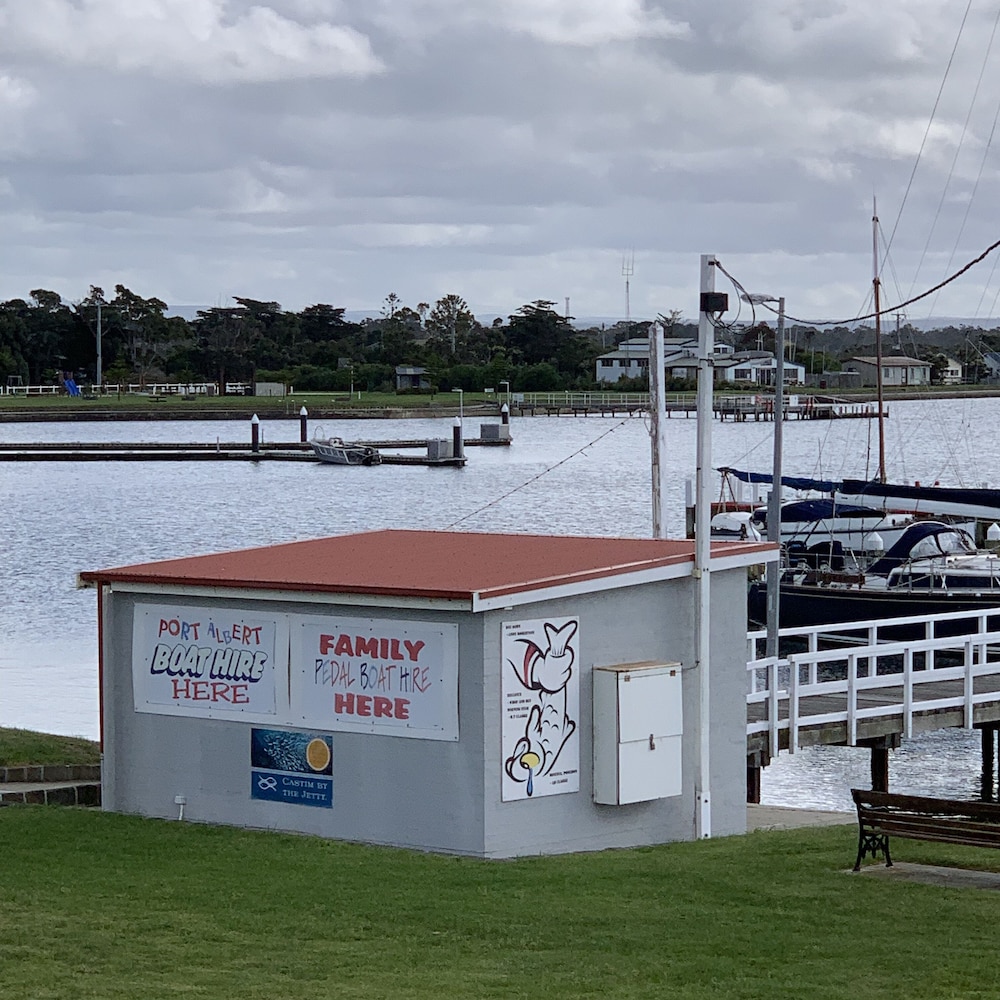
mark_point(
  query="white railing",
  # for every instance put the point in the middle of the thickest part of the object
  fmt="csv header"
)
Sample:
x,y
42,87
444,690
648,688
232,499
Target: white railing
x,y
32,390
135,388
868,678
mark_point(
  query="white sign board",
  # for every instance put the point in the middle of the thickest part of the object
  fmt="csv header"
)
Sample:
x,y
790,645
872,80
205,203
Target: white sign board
x,y
392,678
540,691
213,663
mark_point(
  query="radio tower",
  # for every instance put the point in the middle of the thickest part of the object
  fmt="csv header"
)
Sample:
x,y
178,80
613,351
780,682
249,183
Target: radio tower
x,y
628,269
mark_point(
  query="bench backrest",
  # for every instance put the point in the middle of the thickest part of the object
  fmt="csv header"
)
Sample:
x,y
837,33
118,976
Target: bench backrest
x,y
889,802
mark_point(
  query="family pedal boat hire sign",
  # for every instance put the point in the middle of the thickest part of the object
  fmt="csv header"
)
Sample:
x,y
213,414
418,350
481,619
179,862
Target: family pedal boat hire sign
x,y
392,678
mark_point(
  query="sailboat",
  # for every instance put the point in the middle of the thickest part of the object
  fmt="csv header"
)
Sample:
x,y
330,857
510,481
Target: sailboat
x,y
932,567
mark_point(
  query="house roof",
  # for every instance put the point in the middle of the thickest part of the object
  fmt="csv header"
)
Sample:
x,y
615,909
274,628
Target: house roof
x,y
436,565
893,361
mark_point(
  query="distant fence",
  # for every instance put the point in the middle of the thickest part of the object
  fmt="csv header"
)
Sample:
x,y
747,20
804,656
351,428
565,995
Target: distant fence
x,y
135,389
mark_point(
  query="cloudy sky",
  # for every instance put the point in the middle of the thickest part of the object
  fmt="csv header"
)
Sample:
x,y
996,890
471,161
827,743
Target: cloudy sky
x,y
505,150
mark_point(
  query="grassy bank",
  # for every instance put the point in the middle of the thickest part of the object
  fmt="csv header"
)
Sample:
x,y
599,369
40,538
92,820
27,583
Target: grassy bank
x,y
23,746
97,905
136,406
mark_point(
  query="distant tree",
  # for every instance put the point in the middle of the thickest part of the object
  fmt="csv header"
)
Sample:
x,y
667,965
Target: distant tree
x,y
449,324
50,328
150,339
390,305
226,337
537,332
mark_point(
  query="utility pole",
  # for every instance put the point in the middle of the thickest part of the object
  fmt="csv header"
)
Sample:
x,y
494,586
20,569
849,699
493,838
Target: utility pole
x,y
708,304
657,426
100,359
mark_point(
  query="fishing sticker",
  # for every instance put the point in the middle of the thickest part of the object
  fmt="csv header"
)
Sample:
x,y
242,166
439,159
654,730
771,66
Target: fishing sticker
x,y
291,767
540,689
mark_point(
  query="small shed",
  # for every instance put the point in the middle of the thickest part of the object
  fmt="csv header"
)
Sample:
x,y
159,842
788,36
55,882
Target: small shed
x,y
483,694
411,377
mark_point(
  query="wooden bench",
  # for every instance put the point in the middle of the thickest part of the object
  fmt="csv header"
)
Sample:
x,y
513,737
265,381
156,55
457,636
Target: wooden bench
x,y
882,815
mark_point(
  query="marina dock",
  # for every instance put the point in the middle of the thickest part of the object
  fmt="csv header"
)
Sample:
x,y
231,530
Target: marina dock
x,y
737,408
850,685
193,451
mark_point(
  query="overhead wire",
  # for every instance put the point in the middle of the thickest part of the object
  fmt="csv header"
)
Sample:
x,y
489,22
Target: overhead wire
x,y
544,472
881,312
930,122
958,149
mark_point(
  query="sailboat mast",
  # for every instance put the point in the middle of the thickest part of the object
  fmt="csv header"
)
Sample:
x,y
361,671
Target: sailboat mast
x,y
878,344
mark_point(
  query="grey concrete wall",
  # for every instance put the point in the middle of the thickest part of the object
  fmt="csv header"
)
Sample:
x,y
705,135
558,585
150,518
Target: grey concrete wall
x,y
438,795
652,622
386,789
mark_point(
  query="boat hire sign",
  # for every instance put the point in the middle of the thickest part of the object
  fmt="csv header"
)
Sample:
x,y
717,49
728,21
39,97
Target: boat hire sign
x,y
212,663
391,678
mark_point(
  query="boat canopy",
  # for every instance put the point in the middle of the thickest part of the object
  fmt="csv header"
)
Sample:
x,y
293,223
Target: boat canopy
x,y
988,500
818,509
945,538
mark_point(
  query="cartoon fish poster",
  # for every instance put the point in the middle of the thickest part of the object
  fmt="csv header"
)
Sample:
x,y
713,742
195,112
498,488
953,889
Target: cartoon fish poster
x,y
540,689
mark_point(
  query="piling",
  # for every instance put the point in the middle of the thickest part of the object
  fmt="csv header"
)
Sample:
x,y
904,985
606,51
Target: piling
x,y
988,790
303,425
255,434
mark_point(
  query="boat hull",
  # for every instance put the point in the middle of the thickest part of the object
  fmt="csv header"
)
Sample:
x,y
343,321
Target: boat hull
x,y
802,605
340,453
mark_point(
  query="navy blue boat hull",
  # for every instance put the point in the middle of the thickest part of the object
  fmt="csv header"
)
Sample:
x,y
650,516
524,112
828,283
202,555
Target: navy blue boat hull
x,y
802,605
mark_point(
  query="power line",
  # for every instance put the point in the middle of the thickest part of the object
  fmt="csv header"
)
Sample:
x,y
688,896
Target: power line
x,y
881,312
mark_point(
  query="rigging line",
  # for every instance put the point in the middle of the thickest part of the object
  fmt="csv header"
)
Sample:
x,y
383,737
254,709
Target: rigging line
x,y
995,297
982,162
891,309
987,284
930,122
533,479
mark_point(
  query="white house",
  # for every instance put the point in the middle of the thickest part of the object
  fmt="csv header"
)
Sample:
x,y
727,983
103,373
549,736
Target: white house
x,y
758,367
951,374
631,359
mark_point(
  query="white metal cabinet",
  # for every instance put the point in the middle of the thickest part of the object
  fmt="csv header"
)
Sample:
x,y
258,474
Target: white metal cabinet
x,y
638,732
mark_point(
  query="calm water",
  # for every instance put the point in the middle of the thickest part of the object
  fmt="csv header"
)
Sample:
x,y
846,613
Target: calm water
x,y
561,476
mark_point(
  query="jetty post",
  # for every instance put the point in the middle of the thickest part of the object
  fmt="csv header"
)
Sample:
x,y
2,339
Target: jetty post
x,y
457,443
255,434
303,425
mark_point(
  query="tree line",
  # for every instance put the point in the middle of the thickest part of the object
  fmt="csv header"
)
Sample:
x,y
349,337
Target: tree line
x,y
43,338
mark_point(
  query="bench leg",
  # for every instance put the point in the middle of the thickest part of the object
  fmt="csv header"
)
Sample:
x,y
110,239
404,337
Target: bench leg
x,y
872,843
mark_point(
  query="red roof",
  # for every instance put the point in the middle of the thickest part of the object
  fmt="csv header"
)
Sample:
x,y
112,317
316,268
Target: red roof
x,y
428,564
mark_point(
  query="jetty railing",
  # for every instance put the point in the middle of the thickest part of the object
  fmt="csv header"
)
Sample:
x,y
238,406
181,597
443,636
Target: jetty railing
x,y
849,675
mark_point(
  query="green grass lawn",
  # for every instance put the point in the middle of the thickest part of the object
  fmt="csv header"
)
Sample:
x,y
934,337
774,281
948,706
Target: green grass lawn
x,y
272,405
23,746
99,905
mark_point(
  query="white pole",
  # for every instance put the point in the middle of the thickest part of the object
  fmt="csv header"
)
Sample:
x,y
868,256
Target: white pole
x,y
702,552
657,428
774,500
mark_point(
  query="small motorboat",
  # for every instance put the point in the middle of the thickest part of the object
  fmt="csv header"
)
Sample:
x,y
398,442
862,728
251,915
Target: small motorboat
x,y
337,451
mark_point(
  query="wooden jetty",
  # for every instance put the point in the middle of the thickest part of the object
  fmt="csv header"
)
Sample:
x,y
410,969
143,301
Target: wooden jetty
x,y
192,451
737,408
848,686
